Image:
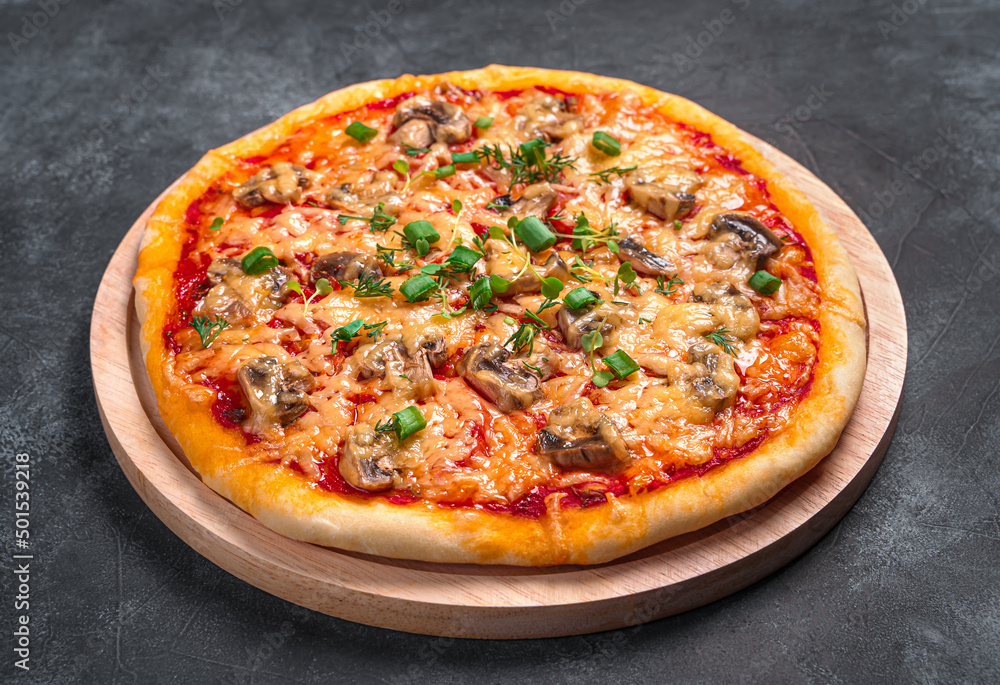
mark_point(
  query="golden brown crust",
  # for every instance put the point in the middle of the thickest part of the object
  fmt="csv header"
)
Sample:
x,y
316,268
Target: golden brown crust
x,y
420,530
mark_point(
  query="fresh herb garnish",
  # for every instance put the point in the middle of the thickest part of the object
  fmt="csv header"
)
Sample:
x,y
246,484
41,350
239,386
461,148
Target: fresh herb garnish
x,y
403,423
606,144
370,285
360,132
586,236
258,260
411,151
764,283
483,122
418,288
205,327
528,164
626,274
419,235
323,288
665,287
724,339
533,233
379,222
605,176
216,223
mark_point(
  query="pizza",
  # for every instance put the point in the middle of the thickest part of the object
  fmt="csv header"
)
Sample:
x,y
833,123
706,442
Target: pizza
x,y
503,316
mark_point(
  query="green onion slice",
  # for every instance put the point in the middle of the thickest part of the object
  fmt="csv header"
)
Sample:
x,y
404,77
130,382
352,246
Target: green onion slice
x,y
578,298
258,260
407,422
463,258
480,293
418,288
621,364
606,144
534,233
360,132
444,171
464,158
765,283
216,223
483,122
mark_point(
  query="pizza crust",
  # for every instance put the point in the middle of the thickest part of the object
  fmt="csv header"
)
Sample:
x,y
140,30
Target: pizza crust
x,y
280,500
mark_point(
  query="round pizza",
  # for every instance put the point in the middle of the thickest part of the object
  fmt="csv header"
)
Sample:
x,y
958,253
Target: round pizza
x,y
503,316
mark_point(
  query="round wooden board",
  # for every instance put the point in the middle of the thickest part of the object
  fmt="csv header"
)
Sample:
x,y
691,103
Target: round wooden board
x,y
506,602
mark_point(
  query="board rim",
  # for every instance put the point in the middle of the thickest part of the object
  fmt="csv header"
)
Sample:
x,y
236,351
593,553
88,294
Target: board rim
x,y
500,601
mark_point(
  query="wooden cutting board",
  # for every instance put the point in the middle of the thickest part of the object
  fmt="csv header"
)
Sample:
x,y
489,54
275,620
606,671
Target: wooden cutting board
x,y
501,601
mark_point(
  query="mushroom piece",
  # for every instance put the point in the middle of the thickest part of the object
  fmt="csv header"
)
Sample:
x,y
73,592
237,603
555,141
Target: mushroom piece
x,y
408,373
546,116
666,192
366,461
436,351
276,392
235,296
553,267
508,385
732,308
373,363
379,188
436,121
757,241
536,200
575,323
280,184
580,437
345,266
642,260
709,376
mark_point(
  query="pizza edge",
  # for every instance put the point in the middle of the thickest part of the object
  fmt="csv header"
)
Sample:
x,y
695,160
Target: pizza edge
x,y
429,532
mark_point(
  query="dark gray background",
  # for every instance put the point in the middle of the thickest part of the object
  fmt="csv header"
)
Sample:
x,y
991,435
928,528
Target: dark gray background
x,y
905,589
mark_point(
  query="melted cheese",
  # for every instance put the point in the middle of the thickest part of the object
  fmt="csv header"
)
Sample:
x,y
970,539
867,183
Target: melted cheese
x,y
662,424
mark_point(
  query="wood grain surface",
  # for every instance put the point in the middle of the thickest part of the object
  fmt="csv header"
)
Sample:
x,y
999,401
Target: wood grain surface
x,y
496,601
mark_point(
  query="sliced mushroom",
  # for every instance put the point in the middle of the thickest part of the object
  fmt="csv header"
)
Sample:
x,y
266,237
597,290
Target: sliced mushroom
x,y
546,116
580,437
528,282
370,191
666,191
436,121
709,376
575,323
757,241
436,350
642,260
373,358
536,200
281,183
509,385
366,461
409,373
235,296
276,392
345,266
733,309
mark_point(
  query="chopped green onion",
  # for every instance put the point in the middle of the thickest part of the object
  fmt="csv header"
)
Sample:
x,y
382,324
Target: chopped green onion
x,y
420,234
535,234
678,225
480,293
483,122
606,144
578,298
465,158
360,132
407,422
463,258
418,288
621,364
443,172
411,151
258,260
533,151
765,283
347,332
216,223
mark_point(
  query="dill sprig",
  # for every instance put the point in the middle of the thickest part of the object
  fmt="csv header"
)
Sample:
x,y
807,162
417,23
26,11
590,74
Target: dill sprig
x,y
205,327
379,222
665,287
605,176
724,338
370,286
528,163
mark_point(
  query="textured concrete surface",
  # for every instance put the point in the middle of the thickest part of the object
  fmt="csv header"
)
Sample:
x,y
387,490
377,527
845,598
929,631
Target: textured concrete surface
x,y
894,105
